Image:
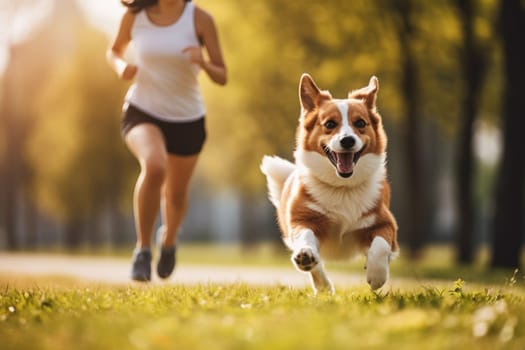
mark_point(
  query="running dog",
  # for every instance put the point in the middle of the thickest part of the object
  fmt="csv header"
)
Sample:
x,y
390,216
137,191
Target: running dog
x,y
333,202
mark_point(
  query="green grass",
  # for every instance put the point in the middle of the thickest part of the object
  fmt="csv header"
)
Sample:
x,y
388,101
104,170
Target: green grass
x,y
51,313
430,308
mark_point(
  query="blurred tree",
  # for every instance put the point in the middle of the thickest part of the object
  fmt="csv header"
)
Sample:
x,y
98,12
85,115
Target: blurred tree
x,y
11,166
23,77
62,153
268,45
508,227
403,14
474,56
90,171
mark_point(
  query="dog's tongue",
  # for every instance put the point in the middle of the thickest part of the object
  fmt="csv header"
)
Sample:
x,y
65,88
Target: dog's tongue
x,y
345,162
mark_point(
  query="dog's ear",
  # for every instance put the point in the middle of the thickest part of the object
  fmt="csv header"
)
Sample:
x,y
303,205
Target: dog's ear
x,y
368,94
310,94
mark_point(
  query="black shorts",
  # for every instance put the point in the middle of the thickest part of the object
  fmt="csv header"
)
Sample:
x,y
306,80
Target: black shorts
x,y
180,138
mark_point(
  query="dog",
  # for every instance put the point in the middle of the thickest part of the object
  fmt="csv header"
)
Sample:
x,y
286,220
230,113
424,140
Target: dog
x,y
333,202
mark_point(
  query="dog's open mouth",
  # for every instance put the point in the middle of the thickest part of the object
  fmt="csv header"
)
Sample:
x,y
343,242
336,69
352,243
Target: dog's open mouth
x,y
344,162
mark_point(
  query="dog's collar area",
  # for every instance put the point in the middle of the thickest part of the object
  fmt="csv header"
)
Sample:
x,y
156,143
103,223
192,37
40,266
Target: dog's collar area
x,y
344,162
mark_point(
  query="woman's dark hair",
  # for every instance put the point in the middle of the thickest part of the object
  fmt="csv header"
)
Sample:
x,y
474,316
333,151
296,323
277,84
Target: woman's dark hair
x,y
139,5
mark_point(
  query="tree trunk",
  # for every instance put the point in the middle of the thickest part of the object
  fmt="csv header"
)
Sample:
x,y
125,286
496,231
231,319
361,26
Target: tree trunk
x,y
31,224
12,159
73,234
473,68
3,165
413,226
248,233
509,224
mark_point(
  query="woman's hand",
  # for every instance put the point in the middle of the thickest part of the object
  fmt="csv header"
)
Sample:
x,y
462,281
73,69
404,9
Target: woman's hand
x,y
194,54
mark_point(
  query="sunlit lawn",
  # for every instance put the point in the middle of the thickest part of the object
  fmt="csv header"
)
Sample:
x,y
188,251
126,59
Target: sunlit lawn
x,y
485,312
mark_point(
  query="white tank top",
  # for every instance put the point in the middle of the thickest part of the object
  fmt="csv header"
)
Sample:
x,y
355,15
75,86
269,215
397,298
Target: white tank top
x,y
166,85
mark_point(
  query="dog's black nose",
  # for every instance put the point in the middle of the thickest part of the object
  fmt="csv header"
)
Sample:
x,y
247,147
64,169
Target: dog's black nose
x,y
347,142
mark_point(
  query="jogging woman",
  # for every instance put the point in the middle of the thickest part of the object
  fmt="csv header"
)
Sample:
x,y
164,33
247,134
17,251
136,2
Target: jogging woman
x,y
164,114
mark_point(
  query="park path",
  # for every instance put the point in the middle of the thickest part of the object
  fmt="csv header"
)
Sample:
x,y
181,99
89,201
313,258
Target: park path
x,y
116,271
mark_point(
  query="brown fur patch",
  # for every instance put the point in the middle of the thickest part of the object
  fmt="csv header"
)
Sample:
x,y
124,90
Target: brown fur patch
x,y
294,212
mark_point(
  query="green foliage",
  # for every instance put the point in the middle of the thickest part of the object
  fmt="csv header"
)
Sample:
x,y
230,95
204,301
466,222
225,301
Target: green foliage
x,y
269,44
79,159
239,316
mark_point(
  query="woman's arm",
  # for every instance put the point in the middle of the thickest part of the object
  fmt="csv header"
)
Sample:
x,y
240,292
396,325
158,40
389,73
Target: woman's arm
x,y
115,53
207,32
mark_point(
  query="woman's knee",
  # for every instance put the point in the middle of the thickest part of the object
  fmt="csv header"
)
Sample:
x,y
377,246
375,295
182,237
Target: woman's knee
x,y
154,169
177,199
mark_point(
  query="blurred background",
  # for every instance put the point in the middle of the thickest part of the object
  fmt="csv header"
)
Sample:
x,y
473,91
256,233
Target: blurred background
x,y
452,92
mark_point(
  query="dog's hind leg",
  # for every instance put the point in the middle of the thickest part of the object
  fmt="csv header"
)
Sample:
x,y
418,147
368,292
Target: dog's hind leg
x,y
305,257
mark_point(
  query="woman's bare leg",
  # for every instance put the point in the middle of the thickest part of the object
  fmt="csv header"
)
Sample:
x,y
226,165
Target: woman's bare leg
x,y
147,144
175,195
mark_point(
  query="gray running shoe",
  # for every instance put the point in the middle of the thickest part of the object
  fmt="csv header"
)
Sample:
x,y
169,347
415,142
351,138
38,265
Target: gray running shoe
x,y
141,269
166,262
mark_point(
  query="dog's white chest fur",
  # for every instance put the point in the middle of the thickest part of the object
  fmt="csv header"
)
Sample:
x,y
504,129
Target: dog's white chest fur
x,y
345,202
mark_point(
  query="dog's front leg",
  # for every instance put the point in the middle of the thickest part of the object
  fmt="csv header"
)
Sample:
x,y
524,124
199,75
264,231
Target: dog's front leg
x,y
377,262
306,257
320,281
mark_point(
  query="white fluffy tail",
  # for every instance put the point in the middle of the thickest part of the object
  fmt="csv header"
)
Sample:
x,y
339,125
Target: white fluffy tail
x,y
277,171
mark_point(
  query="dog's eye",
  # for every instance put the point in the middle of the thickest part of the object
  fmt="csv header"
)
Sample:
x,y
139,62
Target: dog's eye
x,y
330,124
360,123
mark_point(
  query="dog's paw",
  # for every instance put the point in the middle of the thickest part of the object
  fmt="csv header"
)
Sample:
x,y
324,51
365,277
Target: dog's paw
x,y
305,259
377,273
